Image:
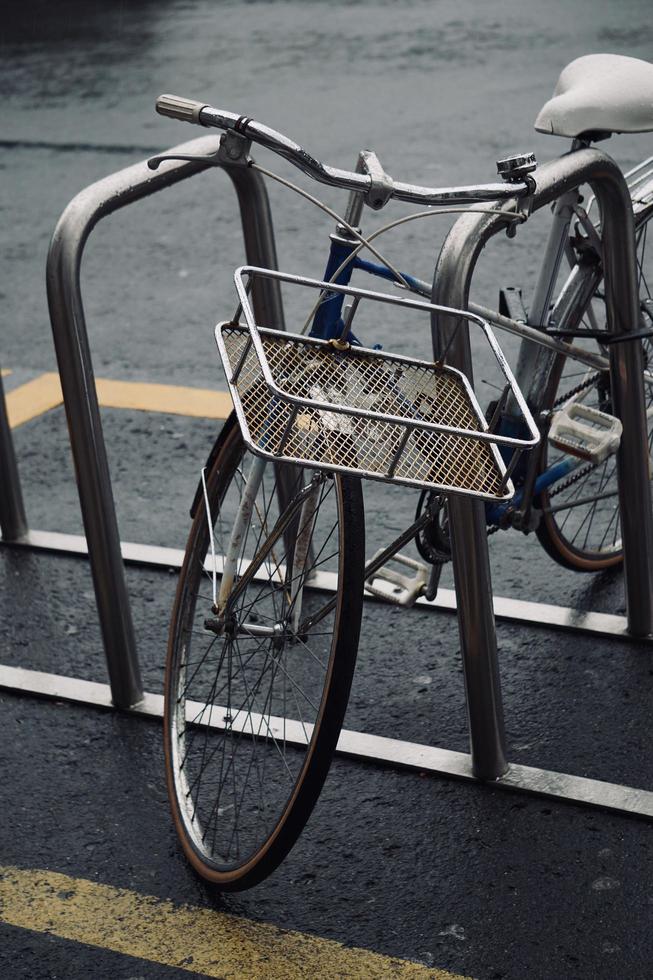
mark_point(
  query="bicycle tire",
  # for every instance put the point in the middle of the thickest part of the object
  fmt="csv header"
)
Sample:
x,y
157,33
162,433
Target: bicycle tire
x,y
241,793
586,537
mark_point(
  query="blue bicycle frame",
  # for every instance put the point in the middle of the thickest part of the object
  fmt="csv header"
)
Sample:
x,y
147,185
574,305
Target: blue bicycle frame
x,y
328,325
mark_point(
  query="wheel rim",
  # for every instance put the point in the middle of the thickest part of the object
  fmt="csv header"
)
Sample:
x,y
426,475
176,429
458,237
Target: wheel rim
x,y
241,699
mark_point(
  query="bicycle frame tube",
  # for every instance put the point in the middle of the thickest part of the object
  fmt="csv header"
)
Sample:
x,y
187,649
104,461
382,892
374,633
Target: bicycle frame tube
x,y
558,471
535,364
301,554
533,370
239,530
539,314
327,322
244,513
382,272
572,303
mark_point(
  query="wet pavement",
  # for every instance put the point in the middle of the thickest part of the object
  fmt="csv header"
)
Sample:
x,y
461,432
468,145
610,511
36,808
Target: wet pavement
x,y
465,878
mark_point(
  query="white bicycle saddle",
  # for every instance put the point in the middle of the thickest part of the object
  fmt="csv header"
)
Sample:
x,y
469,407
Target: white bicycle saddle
x,y
606,93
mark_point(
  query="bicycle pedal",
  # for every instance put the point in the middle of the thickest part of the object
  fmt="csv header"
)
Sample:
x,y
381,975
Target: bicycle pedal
x,y
585,432
395,587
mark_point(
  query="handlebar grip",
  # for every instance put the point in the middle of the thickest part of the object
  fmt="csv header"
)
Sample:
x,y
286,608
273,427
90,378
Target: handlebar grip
x,y
177,108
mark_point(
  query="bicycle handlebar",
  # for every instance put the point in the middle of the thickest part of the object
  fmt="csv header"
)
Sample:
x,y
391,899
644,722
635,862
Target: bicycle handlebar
x,y
177,108
198,113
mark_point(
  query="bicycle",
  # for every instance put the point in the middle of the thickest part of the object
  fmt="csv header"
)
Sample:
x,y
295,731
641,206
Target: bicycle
x,y
260,664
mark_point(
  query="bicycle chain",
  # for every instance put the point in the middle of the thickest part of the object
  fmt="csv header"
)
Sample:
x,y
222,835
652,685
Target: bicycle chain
x,y
584,470
576,476
587,383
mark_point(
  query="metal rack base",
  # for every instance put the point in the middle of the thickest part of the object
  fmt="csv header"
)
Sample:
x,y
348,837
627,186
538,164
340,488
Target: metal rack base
x,y
606,625
369,748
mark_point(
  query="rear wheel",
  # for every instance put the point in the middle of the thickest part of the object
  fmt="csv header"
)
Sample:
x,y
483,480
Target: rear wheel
x,y
580,526
254,707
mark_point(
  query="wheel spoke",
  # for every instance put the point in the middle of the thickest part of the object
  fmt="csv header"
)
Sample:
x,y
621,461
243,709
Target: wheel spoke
x,y
580,524
249,751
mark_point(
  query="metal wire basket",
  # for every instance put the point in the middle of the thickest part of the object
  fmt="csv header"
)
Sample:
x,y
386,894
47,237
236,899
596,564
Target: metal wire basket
x,y
369,413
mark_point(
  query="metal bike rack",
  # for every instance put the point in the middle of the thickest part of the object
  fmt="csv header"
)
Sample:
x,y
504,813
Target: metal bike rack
x,y
78,385
451,286
474,601
13,522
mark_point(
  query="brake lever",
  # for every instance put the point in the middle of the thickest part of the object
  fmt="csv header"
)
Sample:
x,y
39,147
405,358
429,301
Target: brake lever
x,y
233,148
211,159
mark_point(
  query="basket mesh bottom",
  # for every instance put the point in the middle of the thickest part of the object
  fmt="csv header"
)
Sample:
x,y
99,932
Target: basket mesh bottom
x,y
362,380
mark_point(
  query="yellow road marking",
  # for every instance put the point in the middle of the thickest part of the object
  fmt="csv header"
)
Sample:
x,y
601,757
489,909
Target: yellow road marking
x,y
193,939
5,371
173,399
32,399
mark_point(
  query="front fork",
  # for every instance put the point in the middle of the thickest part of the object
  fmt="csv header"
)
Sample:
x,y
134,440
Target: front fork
x,y
301,554
239,530
327,324
302,509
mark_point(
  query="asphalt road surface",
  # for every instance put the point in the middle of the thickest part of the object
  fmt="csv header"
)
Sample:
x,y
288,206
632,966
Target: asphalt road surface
x,y
448,876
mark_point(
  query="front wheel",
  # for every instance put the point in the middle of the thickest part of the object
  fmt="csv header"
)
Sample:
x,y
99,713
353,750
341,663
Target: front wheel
x,y
254,706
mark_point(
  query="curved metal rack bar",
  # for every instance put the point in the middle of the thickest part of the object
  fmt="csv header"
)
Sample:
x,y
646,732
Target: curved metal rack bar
x,y
13,522
77,380
451,286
